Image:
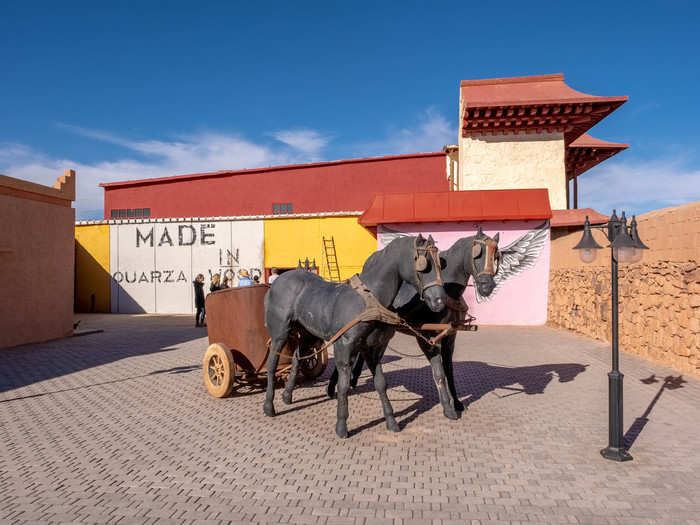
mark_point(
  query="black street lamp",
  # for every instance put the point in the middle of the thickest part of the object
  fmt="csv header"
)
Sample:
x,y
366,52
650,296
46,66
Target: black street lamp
x,y
626,247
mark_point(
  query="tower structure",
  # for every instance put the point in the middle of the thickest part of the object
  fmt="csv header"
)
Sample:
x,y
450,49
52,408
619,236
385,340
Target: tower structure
x,y
521,132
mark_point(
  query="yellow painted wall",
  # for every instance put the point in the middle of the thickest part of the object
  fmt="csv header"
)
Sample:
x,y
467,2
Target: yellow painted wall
x,y
92,275
288,240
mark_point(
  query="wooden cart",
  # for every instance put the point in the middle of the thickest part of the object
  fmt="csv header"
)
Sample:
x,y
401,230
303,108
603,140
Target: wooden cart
x,y
239,343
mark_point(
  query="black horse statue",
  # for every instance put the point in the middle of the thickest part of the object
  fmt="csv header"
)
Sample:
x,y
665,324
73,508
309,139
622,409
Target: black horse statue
x,y
302,299
476,256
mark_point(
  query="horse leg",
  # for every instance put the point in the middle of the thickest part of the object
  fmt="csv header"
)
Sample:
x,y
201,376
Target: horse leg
x,y
272,360
435,359
357,370
330,389
447,351
375,367
287,394
342,365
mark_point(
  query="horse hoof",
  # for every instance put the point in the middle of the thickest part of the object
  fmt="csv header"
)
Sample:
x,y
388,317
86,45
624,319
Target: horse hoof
x,y
269,410
459,406
451,414
342,430
287,398
331,393
353,384
393,426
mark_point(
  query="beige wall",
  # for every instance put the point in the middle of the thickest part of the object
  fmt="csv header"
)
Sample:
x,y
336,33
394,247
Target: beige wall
x,y
36,260
514,161
659,297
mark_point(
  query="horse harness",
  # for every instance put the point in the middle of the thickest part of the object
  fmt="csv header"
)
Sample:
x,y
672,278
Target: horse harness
x,y
492,257
420,263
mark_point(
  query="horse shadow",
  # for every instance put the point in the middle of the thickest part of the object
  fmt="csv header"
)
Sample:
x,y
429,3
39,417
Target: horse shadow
x,y
473,379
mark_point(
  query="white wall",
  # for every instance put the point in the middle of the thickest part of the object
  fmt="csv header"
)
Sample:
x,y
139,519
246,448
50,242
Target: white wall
x,y
535,160
153,264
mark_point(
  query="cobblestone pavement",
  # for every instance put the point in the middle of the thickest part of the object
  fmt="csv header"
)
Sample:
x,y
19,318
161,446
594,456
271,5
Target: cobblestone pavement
x,y
118,427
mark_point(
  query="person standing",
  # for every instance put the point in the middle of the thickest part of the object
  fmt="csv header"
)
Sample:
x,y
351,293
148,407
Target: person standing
x,y
199,300
215,285
274,274
244,278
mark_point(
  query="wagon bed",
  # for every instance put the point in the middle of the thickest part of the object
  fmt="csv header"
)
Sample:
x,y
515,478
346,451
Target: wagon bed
x,y
239,342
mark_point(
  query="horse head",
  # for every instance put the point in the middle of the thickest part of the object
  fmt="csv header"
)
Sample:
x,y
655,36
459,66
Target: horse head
x,y
482,261
425,273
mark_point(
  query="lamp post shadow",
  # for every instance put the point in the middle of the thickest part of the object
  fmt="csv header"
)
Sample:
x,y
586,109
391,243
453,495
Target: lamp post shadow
x,y
669,383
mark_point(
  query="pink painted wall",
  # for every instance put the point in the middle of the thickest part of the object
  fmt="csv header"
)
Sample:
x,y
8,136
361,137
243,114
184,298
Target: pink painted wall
x,y
522,299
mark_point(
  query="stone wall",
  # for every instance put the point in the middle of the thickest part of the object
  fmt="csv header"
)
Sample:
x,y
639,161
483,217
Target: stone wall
x,y
514,161
659,297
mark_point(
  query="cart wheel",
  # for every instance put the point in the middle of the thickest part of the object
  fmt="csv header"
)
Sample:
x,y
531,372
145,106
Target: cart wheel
x,y
314,366
219,370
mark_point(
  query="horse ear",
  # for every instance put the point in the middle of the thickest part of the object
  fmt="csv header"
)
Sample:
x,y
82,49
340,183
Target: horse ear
x,y
479,232
420,237
495,237
430,239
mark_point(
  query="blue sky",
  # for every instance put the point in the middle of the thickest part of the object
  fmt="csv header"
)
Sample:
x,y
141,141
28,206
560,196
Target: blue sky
x,y
145,89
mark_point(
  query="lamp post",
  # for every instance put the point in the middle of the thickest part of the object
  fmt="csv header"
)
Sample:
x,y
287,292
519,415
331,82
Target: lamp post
x,y
625,247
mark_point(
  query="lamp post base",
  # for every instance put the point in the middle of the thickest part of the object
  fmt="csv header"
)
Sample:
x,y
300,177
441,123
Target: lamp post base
x,y
616,454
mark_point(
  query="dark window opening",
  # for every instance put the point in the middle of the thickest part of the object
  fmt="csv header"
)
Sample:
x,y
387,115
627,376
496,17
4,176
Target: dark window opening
x,y
282,208
130,213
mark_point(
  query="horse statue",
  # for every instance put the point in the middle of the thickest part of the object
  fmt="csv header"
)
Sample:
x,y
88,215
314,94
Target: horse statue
x,y
477,256
323,310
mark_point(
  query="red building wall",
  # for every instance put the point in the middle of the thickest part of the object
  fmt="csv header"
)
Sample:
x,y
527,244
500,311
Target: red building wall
x,y
346,185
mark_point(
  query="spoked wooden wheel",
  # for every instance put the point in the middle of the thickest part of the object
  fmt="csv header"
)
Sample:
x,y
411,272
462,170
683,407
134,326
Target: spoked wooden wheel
x,y
219,370
313,366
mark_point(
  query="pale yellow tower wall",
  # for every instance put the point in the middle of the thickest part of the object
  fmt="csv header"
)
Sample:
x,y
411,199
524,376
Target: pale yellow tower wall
x,y
534,160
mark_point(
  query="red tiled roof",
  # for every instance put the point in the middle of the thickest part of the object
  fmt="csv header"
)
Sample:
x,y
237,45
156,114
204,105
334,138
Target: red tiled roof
x,y
586,152
576,217
530,104
474,205
226,173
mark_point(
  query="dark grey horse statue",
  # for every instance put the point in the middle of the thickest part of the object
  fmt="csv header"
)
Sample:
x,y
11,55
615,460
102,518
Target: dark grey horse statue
x,y
476,256
302,299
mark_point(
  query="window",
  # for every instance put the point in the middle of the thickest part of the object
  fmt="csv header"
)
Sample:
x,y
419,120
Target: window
x,y
282,208
130,213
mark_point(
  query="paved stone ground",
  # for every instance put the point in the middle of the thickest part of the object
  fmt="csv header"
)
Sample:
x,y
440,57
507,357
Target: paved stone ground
x,y
117,427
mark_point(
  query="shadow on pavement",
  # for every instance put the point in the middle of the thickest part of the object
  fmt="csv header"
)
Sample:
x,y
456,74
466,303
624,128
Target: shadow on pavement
x,y
669,383
473,379
28,364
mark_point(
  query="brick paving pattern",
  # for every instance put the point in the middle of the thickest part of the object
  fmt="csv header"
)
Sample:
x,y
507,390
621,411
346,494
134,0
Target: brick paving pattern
x,y
117,427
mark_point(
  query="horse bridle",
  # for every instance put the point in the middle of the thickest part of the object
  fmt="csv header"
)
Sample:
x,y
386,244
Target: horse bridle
x,y
420,263
491,264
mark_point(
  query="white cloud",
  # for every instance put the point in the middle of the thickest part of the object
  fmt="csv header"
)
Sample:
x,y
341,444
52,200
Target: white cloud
x,y
431,132
637,186
190,154
305,140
